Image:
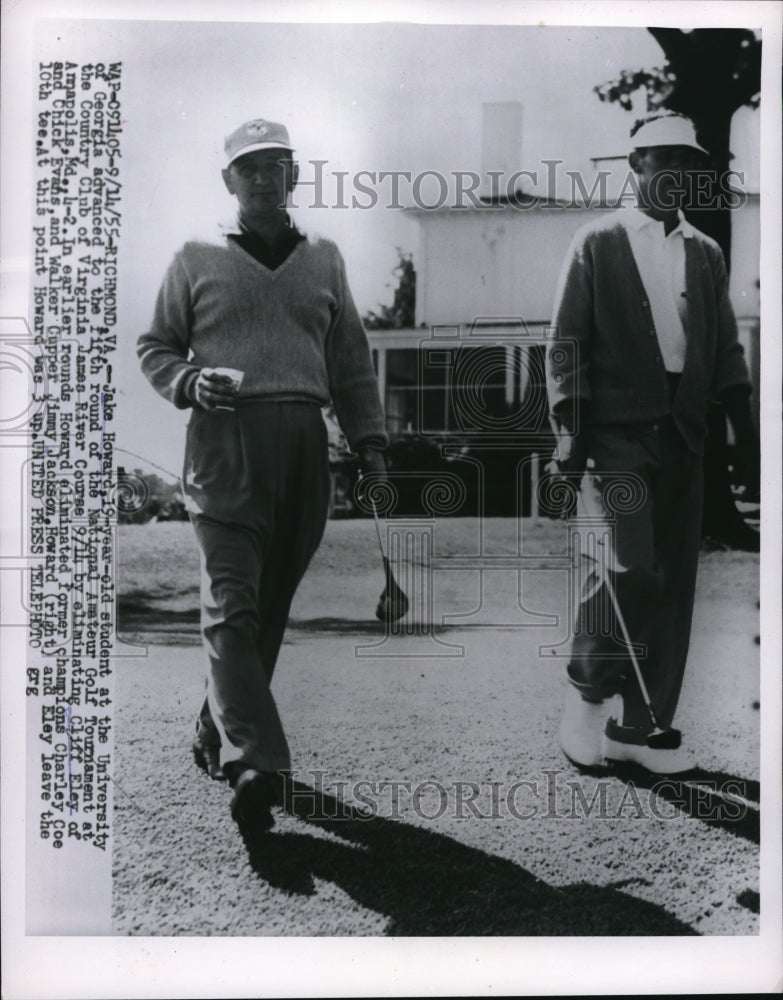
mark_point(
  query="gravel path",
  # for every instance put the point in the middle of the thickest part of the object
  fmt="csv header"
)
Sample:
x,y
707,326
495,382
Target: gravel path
x,y
473,823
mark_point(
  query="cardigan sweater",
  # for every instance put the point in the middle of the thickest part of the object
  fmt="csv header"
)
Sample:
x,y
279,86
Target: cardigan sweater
x,y
604,363
294,331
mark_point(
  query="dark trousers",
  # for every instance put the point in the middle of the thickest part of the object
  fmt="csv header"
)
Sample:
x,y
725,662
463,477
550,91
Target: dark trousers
x,y
258,486
643,491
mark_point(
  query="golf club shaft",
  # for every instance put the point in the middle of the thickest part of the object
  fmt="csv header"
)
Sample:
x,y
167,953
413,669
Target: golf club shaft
x,y
378,529
634,661
624,629
375,519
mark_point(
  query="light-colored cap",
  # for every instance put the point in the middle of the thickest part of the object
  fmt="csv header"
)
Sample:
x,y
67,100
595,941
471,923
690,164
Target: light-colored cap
x,y
257,134
668,130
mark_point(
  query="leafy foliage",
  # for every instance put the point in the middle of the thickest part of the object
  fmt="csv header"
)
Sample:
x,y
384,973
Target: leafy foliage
x,y
401,314
709,71
145,496
658,84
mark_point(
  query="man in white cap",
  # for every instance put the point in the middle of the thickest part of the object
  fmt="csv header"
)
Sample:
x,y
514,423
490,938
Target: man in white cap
x,y
644,337
273,307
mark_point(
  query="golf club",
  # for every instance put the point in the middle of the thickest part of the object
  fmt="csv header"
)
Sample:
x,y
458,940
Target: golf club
x,y
661,737
393,602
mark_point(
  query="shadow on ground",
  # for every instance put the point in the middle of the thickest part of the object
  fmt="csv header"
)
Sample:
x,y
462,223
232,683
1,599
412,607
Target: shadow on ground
x,y
138,612
713,797
429,884
155,616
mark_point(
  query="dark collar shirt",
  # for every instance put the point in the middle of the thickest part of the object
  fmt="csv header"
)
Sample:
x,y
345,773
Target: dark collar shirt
x,y
270,256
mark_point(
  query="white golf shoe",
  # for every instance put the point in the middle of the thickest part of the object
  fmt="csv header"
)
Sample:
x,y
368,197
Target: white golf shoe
x,y
652,759
581,729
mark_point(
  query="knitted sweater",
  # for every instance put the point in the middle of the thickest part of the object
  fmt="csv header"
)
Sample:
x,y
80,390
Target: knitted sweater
x,y
604,359
294,331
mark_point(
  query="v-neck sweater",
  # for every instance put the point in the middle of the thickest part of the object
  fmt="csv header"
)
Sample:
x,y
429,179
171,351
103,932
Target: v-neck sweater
x,y
294,331
270,255
604,361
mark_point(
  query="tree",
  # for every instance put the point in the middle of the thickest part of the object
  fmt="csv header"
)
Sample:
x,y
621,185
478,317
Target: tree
x,y
709,73
401,314
144,496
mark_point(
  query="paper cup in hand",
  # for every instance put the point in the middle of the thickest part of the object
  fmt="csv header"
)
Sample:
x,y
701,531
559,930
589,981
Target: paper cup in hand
x,y
236,377
234,374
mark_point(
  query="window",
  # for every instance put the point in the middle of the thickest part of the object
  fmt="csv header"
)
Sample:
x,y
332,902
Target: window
x,y
460,389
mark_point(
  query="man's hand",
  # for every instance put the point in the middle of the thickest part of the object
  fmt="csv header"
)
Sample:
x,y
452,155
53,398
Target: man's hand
x,y
372,462
747,450
212,391
559,485
559,489
747,467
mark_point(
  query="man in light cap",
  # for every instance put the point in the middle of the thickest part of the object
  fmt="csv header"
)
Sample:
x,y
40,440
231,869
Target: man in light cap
x,y
257,334
644,337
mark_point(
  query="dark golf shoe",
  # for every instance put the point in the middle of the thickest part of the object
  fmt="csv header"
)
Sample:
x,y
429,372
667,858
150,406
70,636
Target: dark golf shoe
x,y
207,757
252,801
629,745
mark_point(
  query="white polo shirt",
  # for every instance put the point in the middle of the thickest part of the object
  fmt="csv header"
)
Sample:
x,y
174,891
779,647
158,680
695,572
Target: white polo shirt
x,y
661,263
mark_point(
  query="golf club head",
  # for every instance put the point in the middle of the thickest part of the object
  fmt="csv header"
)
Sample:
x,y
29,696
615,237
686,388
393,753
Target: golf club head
x,y
393,603
664,739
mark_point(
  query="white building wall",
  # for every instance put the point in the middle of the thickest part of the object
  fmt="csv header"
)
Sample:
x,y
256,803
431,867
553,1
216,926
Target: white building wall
x,y
492,263
745,258
504,262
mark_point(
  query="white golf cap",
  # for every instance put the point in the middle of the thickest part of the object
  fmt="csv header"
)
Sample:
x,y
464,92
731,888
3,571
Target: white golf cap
x,y
257,134
668,130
